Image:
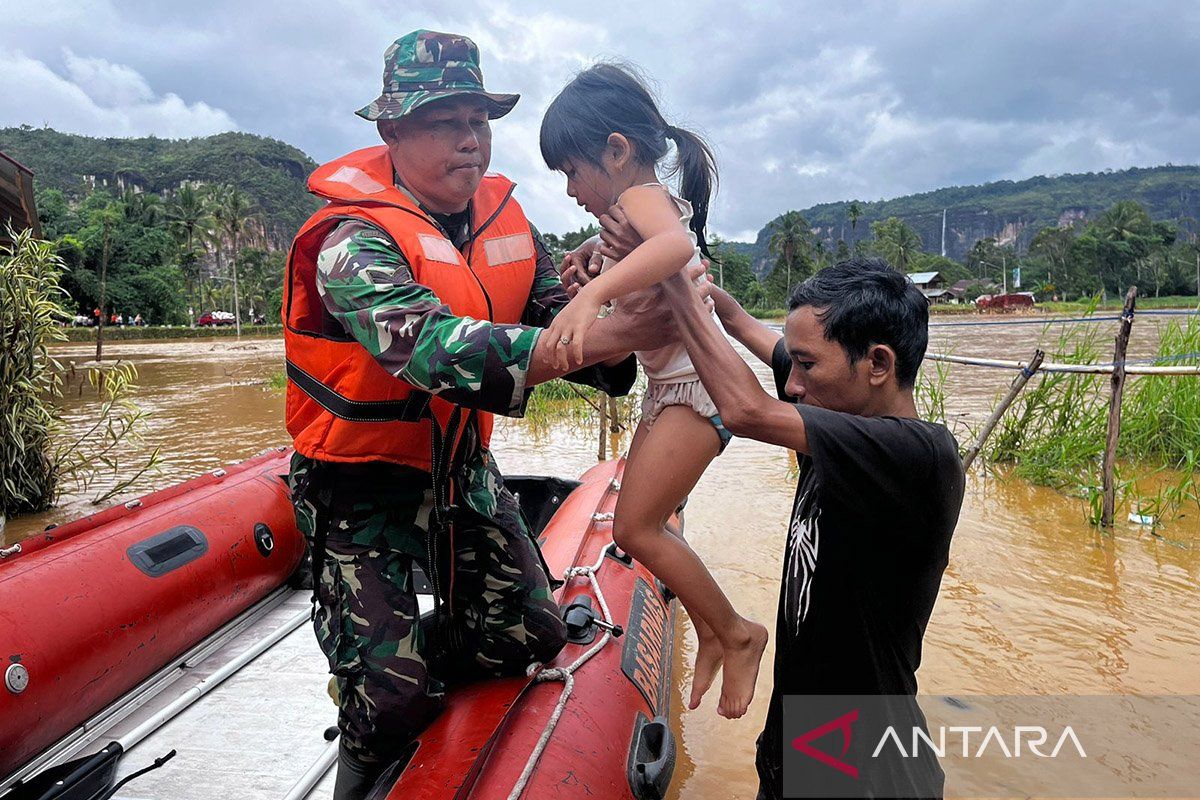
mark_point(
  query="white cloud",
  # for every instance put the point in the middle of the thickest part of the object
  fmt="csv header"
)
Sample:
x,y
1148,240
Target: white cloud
x,y
99,98
109,85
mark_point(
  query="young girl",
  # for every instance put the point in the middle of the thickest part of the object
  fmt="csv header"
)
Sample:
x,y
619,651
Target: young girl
x,y
605,133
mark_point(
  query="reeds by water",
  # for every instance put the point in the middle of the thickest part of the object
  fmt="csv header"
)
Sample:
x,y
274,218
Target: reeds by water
x,y
37,454
1054,434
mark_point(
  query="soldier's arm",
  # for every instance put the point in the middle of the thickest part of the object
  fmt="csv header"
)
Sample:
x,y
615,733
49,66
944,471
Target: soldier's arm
x,y
366,285
546,298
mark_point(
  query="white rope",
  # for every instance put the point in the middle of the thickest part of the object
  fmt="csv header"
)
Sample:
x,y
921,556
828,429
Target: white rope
x,y
565,674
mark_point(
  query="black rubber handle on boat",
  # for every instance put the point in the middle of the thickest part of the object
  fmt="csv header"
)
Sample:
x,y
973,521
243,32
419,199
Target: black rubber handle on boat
x,y
651,758
84,778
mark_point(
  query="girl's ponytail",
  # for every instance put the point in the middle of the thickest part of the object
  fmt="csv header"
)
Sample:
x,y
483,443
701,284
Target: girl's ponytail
x,y
697,178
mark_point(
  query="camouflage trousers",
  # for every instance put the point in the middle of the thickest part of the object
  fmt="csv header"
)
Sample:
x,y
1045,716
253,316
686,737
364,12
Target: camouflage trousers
x,y
390,666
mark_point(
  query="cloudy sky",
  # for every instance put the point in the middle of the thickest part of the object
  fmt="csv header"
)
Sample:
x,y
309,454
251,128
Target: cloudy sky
x,y
804,102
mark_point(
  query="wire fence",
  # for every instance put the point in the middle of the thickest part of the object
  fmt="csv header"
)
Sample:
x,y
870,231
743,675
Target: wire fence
x,y
1136,366
1065,320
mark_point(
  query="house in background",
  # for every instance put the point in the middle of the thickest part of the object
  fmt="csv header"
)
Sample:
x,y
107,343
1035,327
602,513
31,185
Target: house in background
x,y
16,199
932,285
965,291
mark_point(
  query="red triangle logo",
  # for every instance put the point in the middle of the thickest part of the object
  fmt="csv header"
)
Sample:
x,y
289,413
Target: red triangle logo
x,y
843,724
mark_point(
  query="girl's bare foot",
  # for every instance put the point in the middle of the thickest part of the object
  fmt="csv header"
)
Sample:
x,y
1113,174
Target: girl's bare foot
x,y
708,661
741,662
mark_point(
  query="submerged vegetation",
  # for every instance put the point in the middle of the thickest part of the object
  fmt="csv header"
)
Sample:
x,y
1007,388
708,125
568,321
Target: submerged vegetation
x,y
36,454
1054,435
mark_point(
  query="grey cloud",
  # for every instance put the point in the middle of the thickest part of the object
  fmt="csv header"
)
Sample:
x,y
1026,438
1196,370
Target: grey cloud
x,y
804,103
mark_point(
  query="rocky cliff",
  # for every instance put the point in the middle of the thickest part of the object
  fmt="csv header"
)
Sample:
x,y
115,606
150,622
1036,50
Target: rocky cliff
x,y
273,173
1012,212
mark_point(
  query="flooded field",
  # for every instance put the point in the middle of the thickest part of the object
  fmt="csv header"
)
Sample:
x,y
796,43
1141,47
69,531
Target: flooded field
x,y
1034,600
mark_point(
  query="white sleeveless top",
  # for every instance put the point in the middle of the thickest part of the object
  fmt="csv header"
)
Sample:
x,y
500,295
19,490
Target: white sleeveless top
x,y
669,364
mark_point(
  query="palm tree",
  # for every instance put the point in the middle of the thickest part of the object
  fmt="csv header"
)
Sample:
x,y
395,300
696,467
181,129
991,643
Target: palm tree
x,y
189,219
1125,221
234,212
106,217
1128,230
854,212
141,208
896,242
789,242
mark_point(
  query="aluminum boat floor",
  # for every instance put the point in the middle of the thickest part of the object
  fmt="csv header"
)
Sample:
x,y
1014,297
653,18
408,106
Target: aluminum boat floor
x,y
253,736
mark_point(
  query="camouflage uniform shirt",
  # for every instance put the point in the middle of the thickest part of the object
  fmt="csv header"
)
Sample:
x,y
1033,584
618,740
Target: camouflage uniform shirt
x,y
366,285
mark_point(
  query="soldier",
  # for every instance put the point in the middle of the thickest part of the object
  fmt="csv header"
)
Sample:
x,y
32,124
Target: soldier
x,y
414,306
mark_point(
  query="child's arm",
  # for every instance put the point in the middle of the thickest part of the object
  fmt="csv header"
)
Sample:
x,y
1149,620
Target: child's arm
x,y
665,250
756,337
666,247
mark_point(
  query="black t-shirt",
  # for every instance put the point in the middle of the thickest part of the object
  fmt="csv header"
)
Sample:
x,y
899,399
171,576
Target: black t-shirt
x,y
876,504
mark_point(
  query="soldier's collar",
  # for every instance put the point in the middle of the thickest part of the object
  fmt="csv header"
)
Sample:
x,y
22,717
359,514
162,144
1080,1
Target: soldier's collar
x,y
463,218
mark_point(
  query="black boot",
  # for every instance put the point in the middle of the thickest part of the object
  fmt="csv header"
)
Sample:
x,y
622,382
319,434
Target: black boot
x,y
355,777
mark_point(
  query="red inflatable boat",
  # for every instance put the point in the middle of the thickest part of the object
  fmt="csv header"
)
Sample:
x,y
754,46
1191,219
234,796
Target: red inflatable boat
x,y
611,739
90,609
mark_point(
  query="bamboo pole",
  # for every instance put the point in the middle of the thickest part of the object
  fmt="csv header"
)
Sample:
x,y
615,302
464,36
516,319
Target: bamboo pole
x,y
614,425
1114,408
602,407
1078,369
1015,389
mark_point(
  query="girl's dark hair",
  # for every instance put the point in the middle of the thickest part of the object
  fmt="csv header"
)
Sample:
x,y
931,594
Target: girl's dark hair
x,y
609,98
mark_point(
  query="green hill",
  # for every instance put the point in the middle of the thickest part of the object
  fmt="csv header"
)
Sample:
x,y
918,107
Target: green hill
x,y
270,171
1011,211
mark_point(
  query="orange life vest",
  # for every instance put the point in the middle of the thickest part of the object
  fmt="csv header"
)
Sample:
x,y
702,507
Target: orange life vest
x,y
341,404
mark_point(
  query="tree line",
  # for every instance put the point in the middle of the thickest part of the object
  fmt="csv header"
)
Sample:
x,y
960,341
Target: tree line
x,y
169,258
1120,247
172,257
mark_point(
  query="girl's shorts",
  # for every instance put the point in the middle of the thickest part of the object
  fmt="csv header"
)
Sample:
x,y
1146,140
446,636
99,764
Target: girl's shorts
x,y
690,394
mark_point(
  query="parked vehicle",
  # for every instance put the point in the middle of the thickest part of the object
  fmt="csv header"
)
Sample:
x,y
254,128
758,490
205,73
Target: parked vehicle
x,y
213,318
1005,302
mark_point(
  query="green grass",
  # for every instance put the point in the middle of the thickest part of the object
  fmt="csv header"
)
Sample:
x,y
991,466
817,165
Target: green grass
x,y
148,332
767,313
1054,434
1117,303
952,309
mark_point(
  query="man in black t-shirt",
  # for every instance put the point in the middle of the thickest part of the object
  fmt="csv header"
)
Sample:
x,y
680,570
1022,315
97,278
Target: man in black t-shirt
x,y
878,495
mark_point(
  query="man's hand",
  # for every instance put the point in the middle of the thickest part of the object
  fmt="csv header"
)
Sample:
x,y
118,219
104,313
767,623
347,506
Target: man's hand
x,y
641,330
580,265
617,239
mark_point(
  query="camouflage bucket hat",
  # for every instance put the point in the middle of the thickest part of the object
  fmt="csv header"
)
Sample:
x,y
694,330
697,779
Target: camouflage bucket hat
x,y
424,66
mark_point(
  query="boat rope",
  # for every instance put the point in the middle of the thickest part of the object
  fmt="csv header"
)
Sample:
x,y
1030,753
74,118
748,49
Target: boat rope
x,y
566,674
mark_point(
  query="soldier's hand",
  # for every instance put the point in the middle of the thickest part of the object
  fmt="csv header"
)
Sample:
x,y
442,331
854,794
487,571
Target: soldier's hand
x,y
618,237
642,330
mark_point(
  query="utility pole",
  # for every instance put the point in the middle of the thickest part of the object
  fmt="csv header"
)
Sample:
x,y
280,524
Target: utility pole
x,y
103,287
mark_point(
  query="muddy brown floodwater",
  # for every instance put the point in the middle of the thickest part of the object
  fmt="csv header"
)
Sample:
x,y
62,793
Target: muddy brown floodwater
x,y
1034,600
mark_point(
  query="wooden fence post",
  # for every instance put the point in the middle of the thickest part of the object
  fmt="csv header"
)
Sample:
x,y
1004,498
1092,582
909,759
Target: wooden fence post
x,y
1114,409
1015,389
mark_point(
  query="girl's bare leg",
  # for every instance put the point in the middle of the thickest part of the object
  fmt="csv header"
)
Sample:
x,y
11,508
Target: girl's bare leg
x,y
708,652
666,463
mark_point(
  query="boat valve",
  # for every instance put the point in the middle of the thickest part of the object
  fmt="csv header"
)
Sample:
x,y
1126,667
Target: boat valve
x,y
616,630
582,622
